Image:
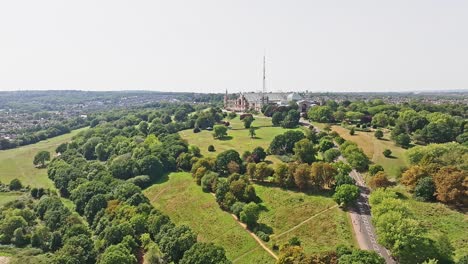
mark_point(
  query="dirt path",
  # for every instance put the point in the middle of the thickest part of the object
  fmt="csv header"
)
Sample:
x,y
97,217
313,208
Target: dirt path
x,y
259,241
4,260
305,221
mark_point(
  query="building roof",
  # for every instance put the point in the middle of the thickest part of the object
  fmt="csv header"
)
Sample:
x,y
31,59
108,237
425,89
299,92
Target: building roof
x,y
276,97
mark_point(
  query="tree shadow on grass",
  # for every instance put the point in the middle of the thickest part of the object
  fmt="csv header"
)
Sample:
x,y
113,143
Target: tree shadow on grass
x,y
255,137
226,138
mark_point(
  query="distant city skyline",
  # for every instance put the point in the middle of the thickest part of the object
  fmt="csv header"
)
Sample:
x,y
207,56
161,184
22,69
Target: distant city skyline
x,y
212,45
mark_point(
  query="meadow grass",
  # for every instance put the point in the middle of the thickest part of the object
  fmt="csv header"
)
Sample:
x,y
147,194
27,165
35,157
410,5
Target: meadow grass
x,y
439,219
374,148
284,209
6,197
184,202
18,162
238,138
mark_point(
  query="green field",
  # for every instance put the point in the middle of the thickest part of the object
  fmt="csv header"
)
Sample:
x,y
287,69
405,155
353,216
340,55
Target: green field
x,y
6,197
185,203
439,219
374,147
238,137
286,209
18,162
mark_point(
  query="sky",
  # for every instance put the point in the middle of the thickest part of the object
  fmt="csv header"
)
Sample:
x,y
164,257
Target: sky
x,y
214,45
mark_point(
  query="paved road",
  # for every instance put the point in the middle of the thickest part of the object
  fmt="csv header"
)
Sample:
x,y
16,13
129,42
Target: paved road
x,y
361,216
362,224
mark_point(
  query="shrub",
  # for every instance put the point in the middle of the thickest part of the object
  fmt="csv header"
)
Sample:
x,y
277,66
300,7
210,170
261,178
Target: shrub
x,y
425,189
196,130
263,236
378,134
373,169
211,148
15,185
387,153
352,132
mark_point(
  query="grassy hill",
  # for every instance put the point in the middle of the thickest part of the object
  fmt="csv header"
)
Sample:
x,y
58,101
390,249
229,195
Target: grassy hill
x,y
238,137
285,209
374,147
18,162
179,197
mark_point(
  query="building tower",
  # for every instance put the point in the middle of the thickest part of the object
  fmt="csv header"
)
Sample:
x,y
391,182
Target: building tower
x,y
226,99
264,84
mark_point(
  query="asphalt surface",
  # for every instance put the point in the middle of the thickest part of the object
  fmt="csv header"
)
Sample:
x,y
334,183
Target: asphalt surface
x,y
362,221
361,216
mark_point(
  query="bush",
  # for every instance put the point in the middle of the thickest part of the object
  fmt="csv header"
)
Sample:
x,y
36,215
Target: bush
x,y
211,148
208,182
352,132
378,134
387,153
373,169
141,181
196,130
263,236
425,189
15,185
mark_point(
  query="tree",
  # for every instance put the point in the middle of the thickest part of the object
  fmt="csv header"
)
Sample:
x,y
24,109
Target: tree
x,y
208,181
143,127
451,185
117,254
403,140
252,132
219,131
425,189
277,118
262,171
284,143
378,134
346,194
249,215
411,176
205,253
211,148
359,256
387,153
381,120
379,180
248,121
323,114
281,174
304,151
373,169
331,154
292,119
152,166
325,144
352,131
101,152
9,226
322,174
41,158
61,148
223,159
258,154
302,176
15,185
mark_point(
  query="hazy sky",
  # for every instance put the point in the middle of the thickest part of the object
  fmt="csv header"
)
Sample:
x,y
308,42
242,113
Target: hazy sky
x,y
208,46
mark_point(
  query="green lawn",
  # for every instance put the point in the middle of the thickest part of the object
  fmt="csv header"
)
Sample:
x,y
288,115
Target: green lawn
x,y
374,147
238,137
6,197
286,209
185,203
17,163
439,219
